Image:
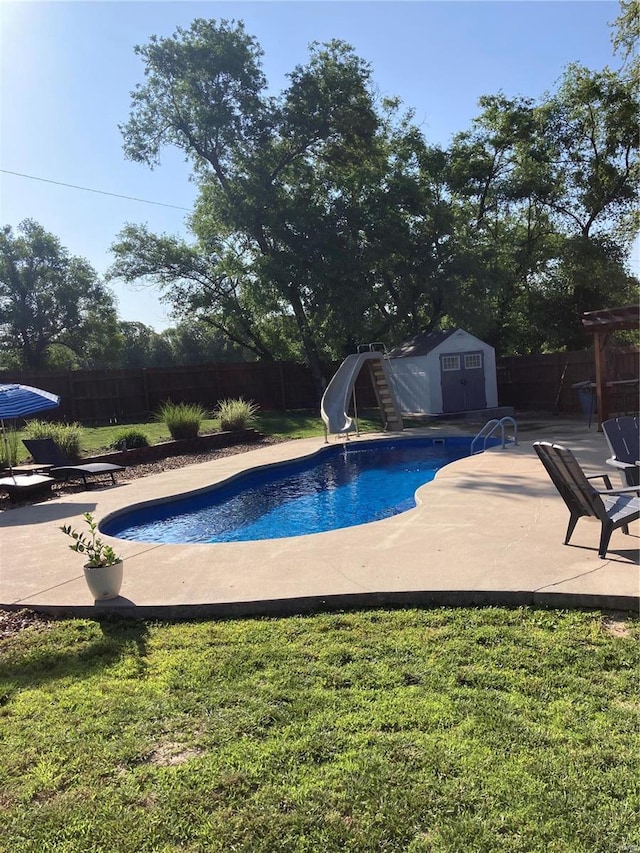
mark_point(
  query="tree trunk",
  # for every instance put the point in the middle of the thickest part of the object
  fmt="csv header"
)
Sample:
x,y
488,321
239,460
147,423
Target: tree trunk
x,y
308,342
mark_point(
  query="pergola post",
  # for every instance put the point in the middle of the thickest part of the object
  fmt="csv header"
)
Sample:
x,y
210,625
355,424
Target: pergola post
x,y
599,343
601,324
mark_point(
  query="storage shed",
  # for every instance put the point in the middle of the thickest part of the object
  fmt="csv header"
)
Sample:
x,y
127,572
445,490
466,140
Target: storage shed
x,y
444,373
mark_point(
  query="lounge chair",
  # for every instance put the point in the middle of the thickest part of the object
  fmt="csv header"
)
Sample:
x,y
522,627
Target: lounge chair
x,y
20,486
613,507
47,452
623,438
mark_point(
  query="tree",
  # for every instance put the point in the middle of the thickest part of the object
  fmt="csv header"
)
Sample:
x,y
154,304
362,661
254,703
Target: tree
x,y
51,301
142,346
271,218
626,36
324,219
405,243
542,192
588,273
591,125
196,342
198,281
504,237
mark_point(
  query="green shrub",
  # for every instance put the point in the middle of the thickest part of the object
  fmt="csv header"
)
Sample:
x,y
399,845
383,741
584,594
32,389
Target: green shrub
x,y
236,414
182,419
129,438
66,436
9,447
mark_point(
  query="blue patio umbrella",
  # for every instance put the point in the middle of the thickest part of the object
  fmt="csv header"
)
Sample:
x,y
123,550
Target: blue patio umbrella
x,y
17,401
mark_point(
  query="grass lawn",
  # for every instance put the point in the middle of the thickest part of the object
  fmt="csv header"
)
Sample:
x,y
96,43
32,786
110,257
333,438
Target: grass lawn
x,y
435,730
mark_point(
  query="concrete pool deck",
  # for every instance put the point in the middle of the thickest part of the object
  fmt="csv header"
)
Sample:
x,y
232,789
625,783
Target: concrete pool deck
x,y
489,530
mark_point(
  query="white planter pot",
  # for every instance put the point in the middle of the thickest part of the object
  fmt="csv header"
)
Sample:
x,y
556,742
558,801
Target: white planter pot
x,y
104,581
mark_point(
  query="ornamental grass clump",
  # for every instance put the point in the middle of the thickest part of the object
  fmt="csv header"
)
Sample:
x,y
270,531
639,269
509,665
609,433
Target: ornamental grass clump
x,y
9,448
128,439
236,414
66,436
182,419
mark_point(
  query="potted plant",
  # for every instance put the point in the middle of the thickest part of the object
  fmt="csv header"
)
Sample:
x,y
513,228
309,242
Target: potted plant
x,y
103,569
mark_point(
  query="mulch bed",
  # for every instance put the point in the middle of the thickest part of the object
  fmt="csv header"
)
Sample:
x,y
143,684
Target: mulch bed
x,y
14,621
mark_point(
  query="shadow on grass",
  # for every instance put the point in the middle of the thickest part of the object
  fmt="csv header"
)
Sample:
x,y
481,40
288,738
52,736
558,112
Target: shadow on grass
x,y
69,648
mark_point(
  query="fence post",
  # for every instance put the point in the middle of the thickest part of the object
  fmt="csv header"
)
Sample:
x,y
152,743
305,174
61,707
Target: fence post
x,y
72,397
283,388
145,390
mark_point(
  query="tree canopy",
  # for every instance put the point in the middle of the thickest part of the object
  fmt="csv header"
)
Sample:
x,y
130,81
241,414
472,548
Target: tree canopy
x,y
54,311
543,192
325,219
301,196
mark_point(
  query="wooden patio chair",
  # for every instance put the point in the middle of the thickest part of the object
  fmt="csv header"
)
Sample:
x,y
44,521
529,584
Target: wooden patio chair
x,y
612,507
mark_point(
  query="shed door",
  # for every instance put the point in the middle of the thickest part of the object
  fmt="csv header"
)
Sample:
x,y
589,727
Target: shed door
x,y
462,381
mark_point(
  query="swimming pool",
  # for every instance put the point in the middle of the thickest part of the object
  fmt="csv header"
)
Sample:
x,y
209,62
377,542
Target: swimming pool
x,y
343,485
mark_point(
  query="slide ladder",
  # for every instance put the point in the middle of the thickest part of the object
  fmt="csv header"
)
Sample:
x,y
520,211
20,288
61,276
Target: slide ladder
x,y
384,395
336,398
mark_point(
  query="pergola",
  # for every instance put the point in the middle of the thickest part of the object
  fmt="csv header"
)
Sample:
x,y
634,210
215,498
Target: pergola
x,y
601,324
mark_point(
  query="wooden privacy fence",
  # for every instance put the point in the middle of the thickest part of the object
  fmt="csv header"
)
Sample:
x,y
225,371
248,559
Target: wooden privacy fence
x,y
545,382
528,383
109,396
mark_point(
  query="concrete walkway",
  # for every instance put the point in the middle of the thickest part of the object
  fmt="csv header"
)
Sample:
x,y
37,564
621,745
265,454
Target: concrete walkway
x,y
488,530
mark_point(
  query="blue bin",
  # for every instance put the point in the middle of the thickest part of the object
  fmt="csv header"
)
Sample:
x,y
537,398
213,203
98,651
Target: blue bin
x,y
587,398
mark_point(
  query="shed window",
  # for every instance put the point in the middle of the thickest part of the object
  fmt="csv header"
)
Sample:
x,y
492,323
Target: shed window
x,y
473,361
451,362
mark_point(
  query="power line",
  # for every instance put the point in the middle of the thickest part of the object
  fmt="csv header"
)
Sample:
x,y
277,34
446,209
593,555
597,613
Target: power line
x,y
89,190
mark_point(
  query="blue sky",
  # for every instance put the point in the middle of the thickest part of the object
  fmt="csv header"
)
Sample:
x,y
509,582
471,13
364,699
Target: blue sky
x,y
67,69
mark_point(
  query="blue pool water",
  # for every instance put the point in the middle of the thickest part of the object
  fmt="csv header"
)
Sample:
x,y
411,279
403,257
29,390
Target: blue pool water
x,y
343,486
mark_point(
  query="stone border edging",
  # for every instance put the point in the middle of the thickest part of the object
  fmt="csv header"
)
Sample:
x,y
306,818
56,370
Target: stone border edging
x,y
165,449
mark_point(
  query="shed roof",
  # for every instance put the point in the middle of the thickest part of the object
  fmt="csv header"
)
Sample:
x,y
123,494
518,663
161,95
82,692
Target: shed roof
x,y
421,344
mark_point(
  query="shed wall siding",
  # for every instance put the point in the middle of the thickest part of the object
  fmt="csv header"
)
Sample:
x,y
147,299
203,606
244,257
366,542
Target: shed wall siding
x,y
412,384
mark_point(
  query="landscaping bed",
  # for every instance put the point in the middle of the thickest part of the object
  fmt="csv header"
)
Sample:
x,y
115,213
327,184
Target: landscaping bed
x,y
182,447
138,467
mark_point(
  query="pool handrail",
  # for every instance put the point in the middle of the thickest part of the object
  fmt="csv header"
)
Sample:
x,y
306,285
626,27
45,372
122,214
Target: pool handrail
x,y
489,428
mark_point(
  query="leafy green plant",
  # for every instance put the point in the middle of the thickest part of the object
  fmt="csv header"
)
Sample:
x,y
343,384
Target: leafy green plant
x,y
9,446
236,414
182,419
97,552
66,436
130,438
